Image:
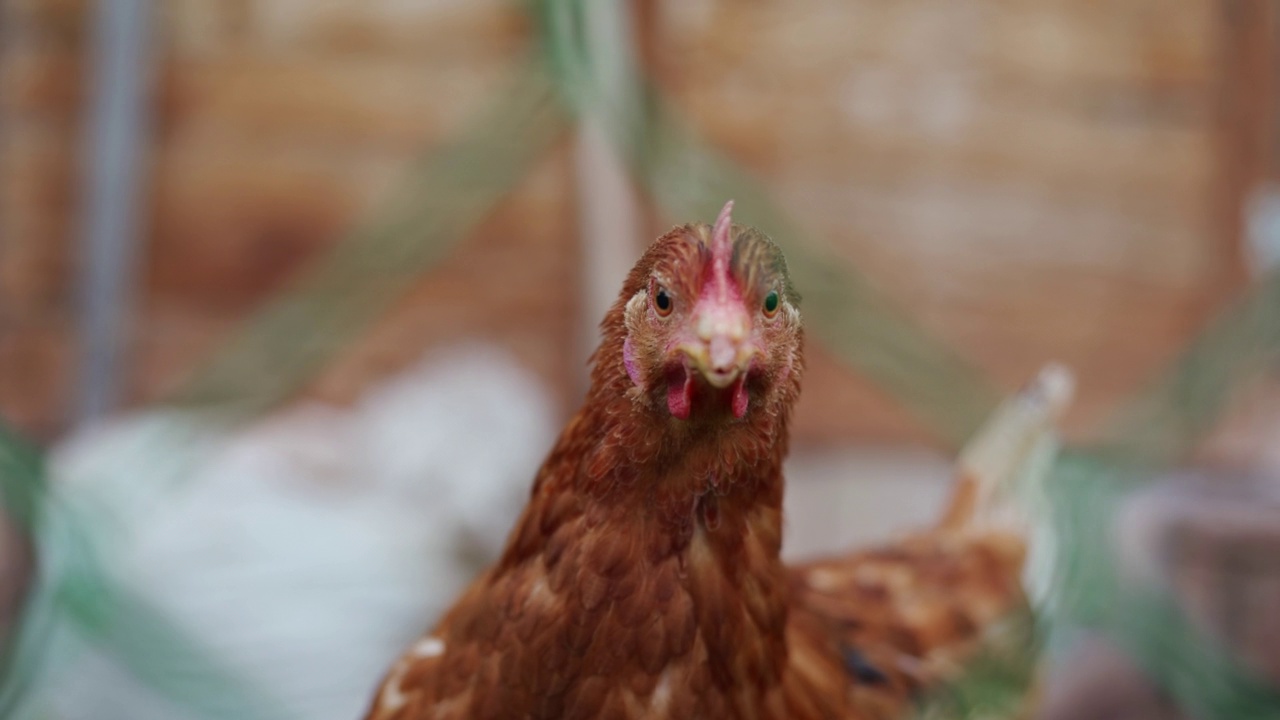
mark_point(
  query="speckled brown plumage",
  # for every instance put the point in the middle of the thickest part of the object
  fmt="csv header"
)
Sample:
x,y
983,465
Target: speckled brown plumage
x,y
643,579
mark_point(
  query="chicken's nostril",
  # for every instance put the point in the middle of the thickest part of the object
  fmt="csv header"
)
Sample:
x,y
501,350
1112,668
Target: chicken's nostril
x,y
723,353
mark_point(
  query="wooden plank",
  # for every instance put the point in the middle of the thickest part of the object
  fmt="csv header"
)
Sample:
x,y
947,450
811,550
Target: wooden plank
x,y
37,164
41,79
1126,41
1246,120
516,281
231,222
35,365
865,121
331,101
513,282
460,33
62,20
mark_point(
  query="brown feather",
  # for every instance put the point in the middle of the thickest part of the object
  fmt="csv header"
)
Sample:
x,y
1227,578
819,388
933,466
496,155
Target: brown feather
x,y
643,579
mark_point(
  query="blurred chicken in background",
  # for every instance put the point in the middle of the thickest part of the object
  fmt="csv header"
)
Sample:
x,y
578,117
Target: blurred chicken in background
x,y
288,202
312,545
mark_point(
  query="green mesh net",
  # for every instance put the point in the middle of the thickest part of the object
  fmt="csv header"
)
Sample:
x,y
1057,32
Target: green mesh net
x,y
441,201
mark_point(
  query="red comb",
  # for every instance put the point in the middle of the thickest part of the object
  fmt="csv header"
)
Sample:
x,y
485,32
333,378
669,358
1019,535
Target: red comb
x,y
720,243
721,253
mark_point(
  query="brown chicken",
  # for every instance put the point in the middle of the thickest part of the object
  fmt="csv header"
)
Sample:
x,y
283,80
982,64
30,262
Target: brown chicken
x,y
643,579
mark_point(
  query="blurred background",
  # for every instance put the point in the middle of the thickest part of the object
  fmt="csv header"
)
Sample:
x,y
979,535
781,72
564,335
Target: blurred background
x,y
298,292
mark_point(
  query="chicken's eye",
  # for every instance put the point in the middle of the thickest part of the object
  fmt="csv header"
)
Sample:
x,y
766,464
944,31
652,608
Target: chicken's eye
x,y
662,302
771,302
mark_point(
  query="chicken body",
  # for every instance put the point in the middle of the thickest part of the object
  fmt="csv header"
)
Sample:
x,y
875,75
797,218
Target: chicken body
x,y
644,579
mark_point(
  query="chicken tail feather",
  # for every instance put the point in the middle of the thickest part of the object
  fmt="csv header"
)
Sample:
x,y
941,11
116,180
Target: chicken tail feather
x,y
994,468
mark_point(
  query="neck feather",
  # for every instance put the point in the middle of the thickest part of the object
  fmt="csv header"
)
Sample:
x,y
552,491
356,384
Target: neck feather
x,y
674,477
635,517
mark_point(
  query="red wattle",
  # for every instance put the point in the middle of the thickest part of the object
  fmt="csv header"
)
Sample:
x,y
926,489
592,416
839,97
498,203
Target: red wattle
x,y
680,396
740,397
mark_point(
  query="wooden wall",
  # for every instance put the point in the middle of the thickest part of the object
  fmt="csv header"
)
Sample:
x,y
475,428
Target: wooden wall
x,y
1036,180
1031,180
283,123
40,48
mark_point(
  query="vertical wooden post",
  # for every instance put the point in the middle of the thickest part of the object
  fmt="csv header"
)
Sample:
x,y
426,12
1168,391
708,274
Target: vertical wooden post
x,y
1247,137
609,211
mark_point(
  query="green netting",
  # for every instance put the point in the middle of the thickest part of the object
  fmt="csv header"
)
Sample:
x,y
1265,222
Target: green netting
x,y
75,601
843,309
442,200
1185,401
1085,492
994,684
447,194
23,489
690,180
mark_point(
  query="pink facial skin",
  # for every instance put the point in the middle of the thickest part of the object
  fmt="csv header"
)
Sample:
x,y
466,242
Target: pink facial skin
x,y
629,360
715,337
681,386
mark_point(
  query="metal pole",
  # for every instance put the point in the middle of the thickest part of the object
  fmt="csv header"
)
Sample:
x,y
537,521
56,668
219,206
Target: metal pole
x,y
110,234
